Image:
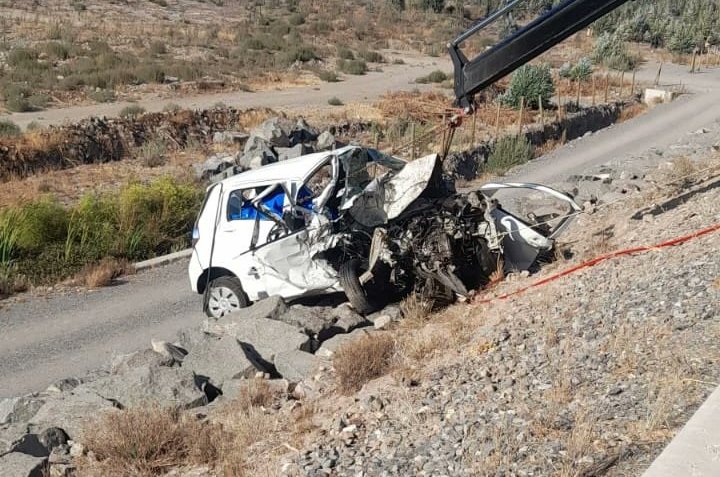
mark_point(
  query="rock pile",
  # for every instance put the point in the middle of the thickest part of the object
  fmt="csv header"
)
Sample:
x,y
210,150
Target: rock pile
x,y
275,140
208,364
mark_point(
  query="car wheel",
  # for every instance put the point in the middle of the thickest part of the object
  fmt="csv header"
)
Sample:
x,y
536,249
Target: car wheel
x,y
364,298
224,295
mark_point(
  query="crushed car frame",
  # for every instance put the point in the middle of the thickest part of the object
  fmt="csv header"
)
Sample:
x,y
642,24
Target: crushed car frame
x,y
361,222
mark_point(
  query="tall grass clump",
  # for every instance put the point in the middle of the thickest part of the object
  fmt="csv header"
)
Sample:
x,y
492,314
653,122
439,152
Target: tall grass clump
x,y
46,241
509,151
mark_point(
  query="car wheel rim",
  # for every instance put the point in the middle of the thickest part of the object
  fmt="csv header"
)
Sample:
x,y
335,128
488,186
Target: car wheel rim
x,y
223,301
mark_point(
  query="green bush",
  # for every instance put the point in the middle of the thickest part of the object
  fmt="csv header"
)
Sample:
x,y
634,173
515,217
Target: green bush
x,y
16,98
328,76
436,76
102,96
132,111
335,101
345,53
44,241
612,52
295,54
44,221
534,83
508,152
581,71
8,128
58,50
352,67
371,56
296,19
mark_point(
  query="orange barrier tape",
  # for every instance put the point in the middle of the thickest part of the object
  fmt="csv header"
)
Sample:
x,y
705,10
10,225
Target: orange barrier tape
x,y
603,258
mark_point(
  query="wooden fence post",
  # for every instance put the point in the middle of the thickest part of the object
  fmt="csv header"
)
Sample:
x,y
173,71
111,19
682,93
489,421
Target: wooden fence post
x,y
520,118
579,90
474,125
607,87
412,140
694,58
657,78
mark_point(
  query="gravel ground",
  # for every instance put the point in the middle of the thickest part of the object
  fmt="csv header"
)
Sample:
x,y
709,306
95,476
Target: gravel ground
x,y
590,375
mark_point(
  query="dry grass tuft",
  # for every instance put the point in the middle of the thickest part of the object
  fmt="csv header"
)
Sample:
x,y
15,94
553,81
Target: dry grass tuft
x,y
682,167
146,442
363,360
416,309
422,107
498,275
103,273
256,393
632,111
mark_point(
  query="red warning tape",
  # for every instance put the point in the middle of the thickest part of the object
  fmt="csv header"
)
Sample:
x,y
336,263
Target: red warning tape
x,y
603,258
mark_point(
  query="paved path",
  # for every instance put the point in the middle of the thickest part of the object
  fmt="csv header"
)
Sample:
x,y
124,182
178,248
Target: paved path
x,y
42,340
695,451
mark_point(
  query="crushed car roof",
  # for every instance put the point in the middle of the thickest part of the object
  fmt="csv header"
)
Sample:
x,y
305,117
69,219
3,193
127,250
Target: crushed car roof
x,y
291,169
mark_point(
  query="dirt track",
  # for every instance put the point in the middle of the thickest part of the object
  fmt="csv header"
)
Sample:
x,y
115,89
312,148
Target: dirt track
x,y
46,339
352,88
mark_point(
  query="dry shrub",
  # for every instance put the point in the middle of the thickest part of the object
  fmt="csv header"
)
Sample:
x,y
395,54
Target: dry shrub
x,y
103,273
148,441
255,393
421,107
422,344
682,167
634,110
363,360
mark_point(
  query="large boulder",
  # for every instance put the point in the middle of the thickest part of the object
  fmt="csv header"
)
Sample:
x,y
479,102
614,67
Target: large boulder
x,y
257,153
230,137
275,131
325,141
125,363
221,360
316,321
19,409
71,411
214,164
262,339
161,385
329,348
295,365
285,153
17,464
348,319
302,133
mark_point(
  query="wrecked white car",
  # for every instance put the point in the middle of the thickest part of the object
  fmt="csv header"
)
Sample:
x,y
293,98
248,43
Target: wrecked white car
x,y
357,221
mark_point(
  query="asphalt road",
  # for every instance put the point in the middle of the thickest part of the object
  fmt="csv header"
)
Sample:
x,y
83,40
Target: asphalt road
x,y
44,339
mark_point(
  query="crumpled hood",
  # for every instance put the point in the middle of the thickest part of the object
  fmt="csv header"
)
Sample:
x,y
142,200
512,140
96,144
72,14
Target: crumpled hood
x,y
386,197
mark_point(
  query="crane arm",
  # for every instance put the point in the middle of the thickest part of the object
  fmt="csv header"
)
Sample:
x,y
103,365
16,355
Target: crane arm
x,y
527,43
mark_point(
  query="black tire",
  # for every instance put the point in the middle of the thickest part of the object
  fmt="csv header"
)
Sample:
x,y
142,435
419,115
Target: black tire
x,y
365,299
224,295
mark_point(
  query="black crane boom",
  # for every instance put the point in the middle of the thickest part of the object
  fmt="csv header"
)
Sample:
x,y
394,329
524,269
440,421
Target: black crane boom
x,y
527,43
